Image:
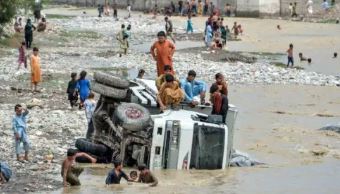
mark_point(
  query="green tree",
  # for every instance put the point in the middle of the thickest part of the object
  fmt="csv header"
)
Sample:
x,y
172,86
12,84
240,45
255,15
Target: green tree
x,y
8,9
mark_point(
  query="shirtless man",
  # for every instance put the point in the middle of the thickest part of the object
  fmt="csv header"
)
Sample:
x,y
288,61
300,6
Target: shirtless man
x,y
69,171
146,176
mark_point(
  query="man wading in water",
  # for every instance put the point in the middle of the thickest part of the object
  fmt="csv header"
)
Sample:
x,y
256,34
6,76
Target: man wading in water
x,y
162,51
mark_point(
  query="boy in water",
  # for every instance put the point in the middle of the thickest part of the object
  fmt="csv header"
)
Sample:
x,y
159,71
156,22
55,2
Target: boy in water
x,y
146,176
116,174
69,171
71,90
290,55
302,58
19,128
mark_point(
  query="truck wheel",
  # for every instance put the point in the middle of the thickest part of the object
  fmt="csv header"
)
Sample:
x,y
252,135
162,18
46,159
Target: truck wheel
x,y
133,117
109,91
111,80
85,145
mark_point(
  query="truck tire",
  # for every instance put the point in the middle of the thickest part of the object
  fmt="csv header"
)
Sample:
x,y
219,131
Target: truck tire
x,y
111,80
133,117
109,91
85,145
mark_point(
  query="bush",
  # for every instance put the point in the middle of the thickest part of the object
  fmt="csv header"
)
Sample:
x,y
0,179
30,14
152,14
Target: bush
x,y
7,10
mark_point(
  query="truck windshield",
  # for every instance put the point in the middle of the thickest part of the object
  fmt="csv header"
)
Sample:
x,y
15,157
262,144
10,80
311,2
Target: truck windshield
x,y
207,147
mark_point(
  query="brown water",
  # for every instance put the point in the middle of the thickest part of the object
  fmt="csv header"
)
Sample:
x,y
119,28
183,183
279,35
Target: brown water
x,y
283,141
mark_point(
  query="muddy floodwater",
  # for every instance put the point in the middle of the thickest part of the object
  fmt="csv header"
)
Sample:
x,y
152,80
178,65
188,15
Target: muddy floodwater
x,y
277,125
280,110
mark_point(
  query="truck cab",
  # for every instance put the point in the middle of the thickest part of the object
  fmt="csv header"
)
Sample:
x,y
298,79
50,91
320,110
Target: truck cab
x,y
187,138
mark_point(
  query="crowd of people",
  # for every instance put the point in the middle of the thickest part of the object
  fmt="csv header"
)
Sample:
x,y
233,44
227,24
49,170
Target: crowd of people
x,y
325,6
172,91
196,8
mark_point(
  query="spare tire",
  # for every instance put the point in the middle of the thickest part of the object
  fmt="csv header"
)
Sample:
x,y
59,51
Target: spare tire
x,y
111,80
109,91
85,145
133,117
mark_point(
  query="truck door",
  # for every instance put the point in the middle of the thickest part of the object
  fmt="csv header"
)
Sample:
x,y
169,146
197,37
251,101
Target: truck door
x,y
171,145
207,147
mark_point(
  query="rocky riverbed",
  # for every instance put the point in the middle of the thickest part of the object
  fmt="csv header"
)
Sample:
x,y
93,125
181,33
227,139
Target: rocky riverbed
x,y
85,42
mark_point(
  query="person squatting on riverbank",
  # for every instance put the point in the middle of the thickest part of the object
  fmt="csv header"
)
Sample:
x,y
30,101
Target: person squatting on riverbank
x,y
19,126
90,105
35,70
29,28
193,89
5,172
116,174
69,171
290,55
83,88
71,90
162,51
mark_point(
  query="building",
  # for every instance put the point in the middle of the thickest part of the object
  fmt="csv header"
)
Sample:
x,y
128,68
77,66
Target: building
x,y
243,8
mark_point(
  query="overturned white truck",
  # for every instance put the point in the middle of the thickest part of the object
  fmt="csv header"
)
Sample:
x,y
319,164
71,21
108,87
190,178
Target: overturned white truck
x,y
127,125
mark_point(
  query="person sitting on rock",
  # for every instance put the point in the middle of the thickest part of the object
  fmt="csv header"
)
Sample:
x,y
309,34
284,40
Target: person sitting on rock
x,y
5,172
18,25
193,88
42,25
302,58
69,171
161,79
170,93
146,176
116,174
219,101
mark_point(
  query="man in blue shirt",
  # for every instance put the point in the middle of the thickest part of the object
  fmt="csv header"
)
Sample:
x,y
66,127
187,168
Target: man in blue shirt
x,y
193,88
19,129
116,174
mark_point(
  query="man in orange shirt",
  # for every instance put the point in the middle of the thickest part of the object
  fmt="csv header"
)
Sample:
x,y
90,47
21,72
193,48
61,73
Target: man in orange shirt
x,y
162,51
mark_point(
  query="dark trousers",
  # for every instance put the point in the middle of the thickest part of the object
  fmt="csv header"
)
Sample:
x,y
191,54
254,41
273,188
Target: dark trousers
x,y
28,41
90,130
290,60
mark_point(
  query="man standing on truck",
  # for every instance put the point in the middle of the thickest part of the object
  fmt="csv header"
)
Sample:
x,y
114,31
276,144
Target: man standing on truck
x,y
192,89
162,52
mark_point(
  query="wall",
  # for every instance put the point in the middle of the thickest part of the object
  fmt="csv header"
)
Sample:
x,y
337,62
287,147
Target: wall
x,y
269,7
248,8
